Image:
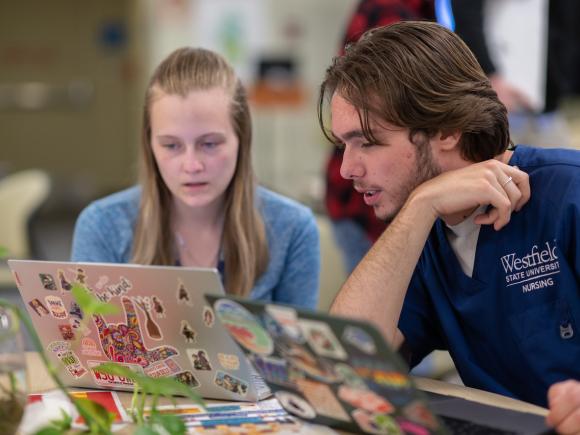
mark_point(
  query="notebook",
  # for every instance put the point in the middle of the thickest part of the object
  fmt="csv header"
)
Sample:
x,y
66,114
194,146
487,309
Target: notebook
x,y
163,328
341,373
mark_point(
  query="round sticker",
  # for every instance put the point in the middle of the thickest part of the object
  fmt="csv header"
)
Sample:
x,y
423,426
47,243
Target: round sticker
x,y
243,327
295,404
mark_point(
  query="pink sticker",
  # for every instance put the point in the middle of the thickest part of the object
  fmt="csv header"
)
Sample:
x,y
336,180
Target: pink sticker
x,y
162,369
89,347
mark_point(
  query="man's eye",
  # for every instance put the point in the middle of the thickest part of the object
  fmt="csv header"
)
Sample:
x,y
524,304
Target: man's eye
x,y
366,145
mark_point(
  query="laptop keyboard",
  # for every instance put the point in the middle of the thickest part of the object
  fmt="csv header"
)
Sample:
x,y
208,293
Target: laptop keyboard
x,y
463,427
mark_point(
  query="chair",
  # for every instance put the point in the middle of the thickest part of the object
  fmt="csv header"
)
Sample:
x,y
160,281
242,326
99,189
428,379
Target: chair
x,y
21,194
332,273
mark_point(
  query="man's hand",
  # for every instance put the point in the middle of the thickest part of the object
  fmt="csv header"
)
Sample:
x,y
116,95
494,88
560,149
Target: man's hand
x,y
454,195
564,404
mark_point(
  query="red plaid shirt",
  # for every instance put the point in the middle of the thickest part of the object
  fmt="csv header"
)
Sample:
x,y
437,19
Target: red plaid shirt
x,y
342,201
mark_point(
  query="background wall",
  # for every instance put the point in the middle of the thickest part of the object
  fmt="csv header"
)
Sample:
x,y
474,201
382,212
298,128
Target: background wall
x,y
73,72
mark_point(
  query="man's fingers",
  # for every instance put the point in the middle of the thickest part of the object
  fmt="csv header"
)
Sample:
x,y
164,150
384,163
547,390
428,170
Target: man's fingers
x,y
521,180
564,402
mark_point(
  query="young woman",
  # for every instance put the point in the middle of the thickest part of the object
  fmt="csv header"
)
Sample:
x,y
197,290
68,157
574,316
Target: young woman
x,y
197,203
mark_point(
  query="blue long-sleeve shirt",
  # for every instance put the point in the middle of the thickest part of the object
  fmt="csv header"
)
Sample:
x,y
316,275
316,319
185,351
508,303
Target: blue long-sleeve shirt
x,y
104,233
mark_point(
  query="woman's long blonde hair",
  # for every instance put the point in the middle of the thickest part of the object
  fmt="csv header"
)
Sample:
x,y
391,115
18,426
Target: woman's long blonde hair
x,y
245,247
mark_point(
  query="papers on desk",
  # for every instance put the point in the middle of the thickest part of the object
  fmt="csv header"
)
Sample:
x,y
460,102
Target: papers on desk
x,y
44,407
266,416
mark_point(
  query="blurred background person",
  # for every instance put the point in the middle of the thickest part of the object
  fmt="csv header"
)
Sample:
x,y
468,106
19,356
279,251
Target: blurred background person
x,y
547,127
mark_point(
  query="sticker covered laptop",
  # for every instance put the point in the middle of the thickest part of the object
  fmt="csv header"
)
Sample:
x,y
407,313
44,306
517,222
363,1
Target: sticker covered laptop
x,y
163,326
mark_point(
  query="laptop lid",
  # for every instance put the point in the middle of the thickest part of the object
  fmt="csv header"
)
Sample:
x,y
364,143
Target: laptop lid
x,y
341,373
164,326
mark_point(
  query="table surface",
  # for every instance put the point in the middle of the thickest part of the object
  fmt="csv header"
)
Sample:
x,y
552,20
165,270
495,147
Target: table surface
x,y
39,381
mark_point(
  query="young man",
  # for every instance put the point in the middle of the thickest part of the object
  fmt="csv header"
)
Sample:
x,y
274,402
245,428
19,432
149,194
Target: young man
x,y
482,254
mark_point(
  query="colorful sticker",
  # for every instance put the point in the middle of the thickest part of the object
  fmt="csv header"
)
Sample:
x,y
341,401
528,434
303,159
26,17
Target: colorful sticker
x,y
188,332
67,332
183,295
322,399
56,307
391,379
411,428
65,285
365,399
47,281
321,339
228,361
158,307
303,360
376,423
123,342
208,316
243,327
81,277
69,359
187,378
38,307
231,383
162,369
295,405
58,346
287,318
360,339
419,413
76,317
273,369
152,328
348,376
89,347
173,366
199,359
109,380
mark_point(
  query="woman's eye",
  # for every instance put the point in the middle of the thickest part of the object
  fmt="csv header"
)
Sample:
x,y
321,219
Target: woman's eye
x,y
169,146
209,144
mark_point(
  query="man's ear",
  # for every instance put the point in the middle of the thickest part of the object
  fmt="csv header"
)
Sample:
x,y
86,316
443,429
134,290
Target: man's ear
x,y
447,140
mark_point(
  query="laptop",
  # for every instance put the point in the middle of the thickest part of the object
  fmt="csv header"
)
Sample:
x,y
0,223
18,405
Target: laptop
x,y
341,373
163,328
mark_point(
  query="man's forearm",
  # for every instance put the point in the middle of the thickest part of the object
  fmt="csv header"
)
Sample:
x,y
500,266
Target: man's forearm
x,y
376,289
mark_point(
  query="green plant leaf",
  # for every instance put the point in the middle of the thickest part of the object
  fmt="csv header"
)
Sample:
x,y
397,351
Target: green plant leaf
x,y
96,415
90,304
57,426
171,423
49,431
145,430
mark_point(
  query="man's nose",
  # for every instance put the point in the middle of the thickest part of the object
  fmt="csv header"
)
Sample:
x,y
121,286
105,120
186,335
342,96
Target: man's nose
x,y
351,166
